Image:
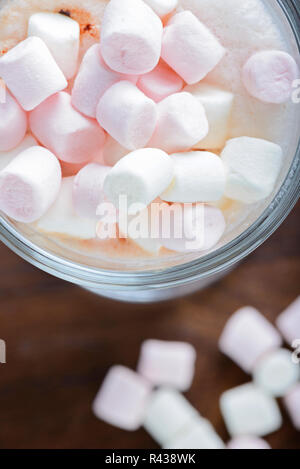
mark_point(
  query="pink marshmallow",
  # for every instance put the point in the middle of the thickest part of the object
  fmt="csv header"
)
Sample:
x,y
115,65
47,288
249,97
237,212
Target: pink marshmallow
x,y
112,151
182,123
131,35
31,73
289,322
292,404
122,399
127,115
30,184
160,82
248,442
93,79
190,48
13,123
247,336
269,76
162,7
73,137
88,189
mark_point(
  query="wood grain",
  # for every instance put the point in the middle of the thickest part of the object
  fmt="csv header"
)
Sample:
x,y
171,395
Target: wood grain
x,y
61,340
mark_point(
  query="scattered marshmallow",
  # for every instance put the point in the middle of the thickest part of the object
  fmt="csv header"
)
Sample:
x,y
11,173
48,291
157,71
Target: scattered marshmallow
x,y
127,115
61,218
61,35
7,157
269,75
247,410
168,413
122,399
131,35
199,435
190,48
218,106
160,82
162,7
292,404
31,73
73,137
199,176
140,176
289,322
182,122
29,184
253,166
168,363
247,336
112,151
13,123
93,79
276,373
248,442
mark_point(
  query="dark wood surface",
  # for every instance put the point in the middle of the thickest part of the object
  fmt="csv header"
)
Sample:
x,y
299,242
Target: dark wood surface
x,y
61,340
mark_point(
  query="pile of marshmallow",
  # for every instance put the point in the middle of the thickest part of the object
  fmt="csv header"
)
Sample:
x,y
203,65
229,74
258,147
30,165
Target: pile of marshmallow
x,y
153,397
134,120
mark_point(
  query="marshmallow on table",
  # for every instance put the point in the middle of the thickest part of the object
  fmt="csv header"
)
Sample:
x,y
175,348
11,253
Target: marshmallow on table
x,y
160,82
253,166
167,363
162,7
140,176
248,442
276,373
30,184
190,48
112,151
247,410
269,75
122,398
218,105
127,115
199,176
192,227
73,137
31,73
247,336
7,156
13,123
168,413
131,35
61,35
292,404
62,219
199,435
288,322
93,79
181,123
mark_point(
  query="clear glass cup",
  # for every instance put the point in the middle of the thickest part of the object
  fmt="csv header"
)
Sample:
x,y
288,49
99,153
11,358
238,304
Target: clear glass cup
x,y
167,278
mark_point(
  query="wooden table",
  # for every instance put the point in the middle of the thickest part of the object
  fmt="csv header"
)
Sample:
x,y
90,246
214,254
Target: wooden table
x,y
61,340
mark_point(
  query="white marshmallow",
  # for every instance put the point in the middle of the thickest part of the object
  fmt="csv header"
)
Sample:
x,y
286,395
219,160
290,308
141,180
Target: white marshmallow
x,y
31,73
269,76
162,7
276,373
199,435
247,410
160,83
61,35
199,176
127,115
292,404
247,336
218,106
62,219
190,48
248,442
168,414
93,79
13,123
112,151
182,122
73,137
122,398
288,322
167,363
7,156
253,166
131,36
140,176
30,184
